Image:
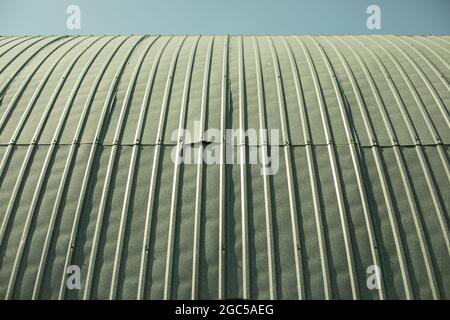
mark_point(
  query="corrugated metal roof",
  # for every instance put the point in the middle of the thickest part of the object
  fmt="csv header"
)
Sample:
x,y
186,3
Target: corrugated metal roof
x,y
87,179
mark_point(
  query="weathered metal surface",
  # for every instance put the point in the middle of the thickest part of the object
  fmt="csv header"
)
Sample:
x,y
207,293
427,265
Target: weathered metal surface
x,y
87,178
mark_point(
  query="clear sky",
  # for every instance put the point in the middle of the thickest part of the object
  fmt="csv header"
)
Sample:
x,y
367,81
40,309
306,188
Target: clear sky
x,y
43,17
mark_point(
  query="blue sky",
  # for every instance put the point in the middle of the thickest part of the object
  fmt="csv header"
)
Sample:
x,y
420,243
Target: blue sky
x,y
22,17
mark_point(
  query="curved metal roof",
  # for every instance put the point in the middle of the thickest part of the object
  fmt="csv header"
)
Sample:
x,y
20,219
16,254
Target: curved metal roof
x,y
87,179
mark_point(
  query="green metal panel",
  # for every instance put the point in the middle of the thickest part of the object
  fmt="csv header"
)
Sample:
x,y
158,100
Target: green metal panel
x,y
87,178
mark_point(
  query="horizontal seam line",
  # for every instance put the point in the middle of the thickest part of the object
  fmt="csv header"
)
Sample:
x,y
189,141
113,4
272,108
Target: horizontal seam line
x,y
234,145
